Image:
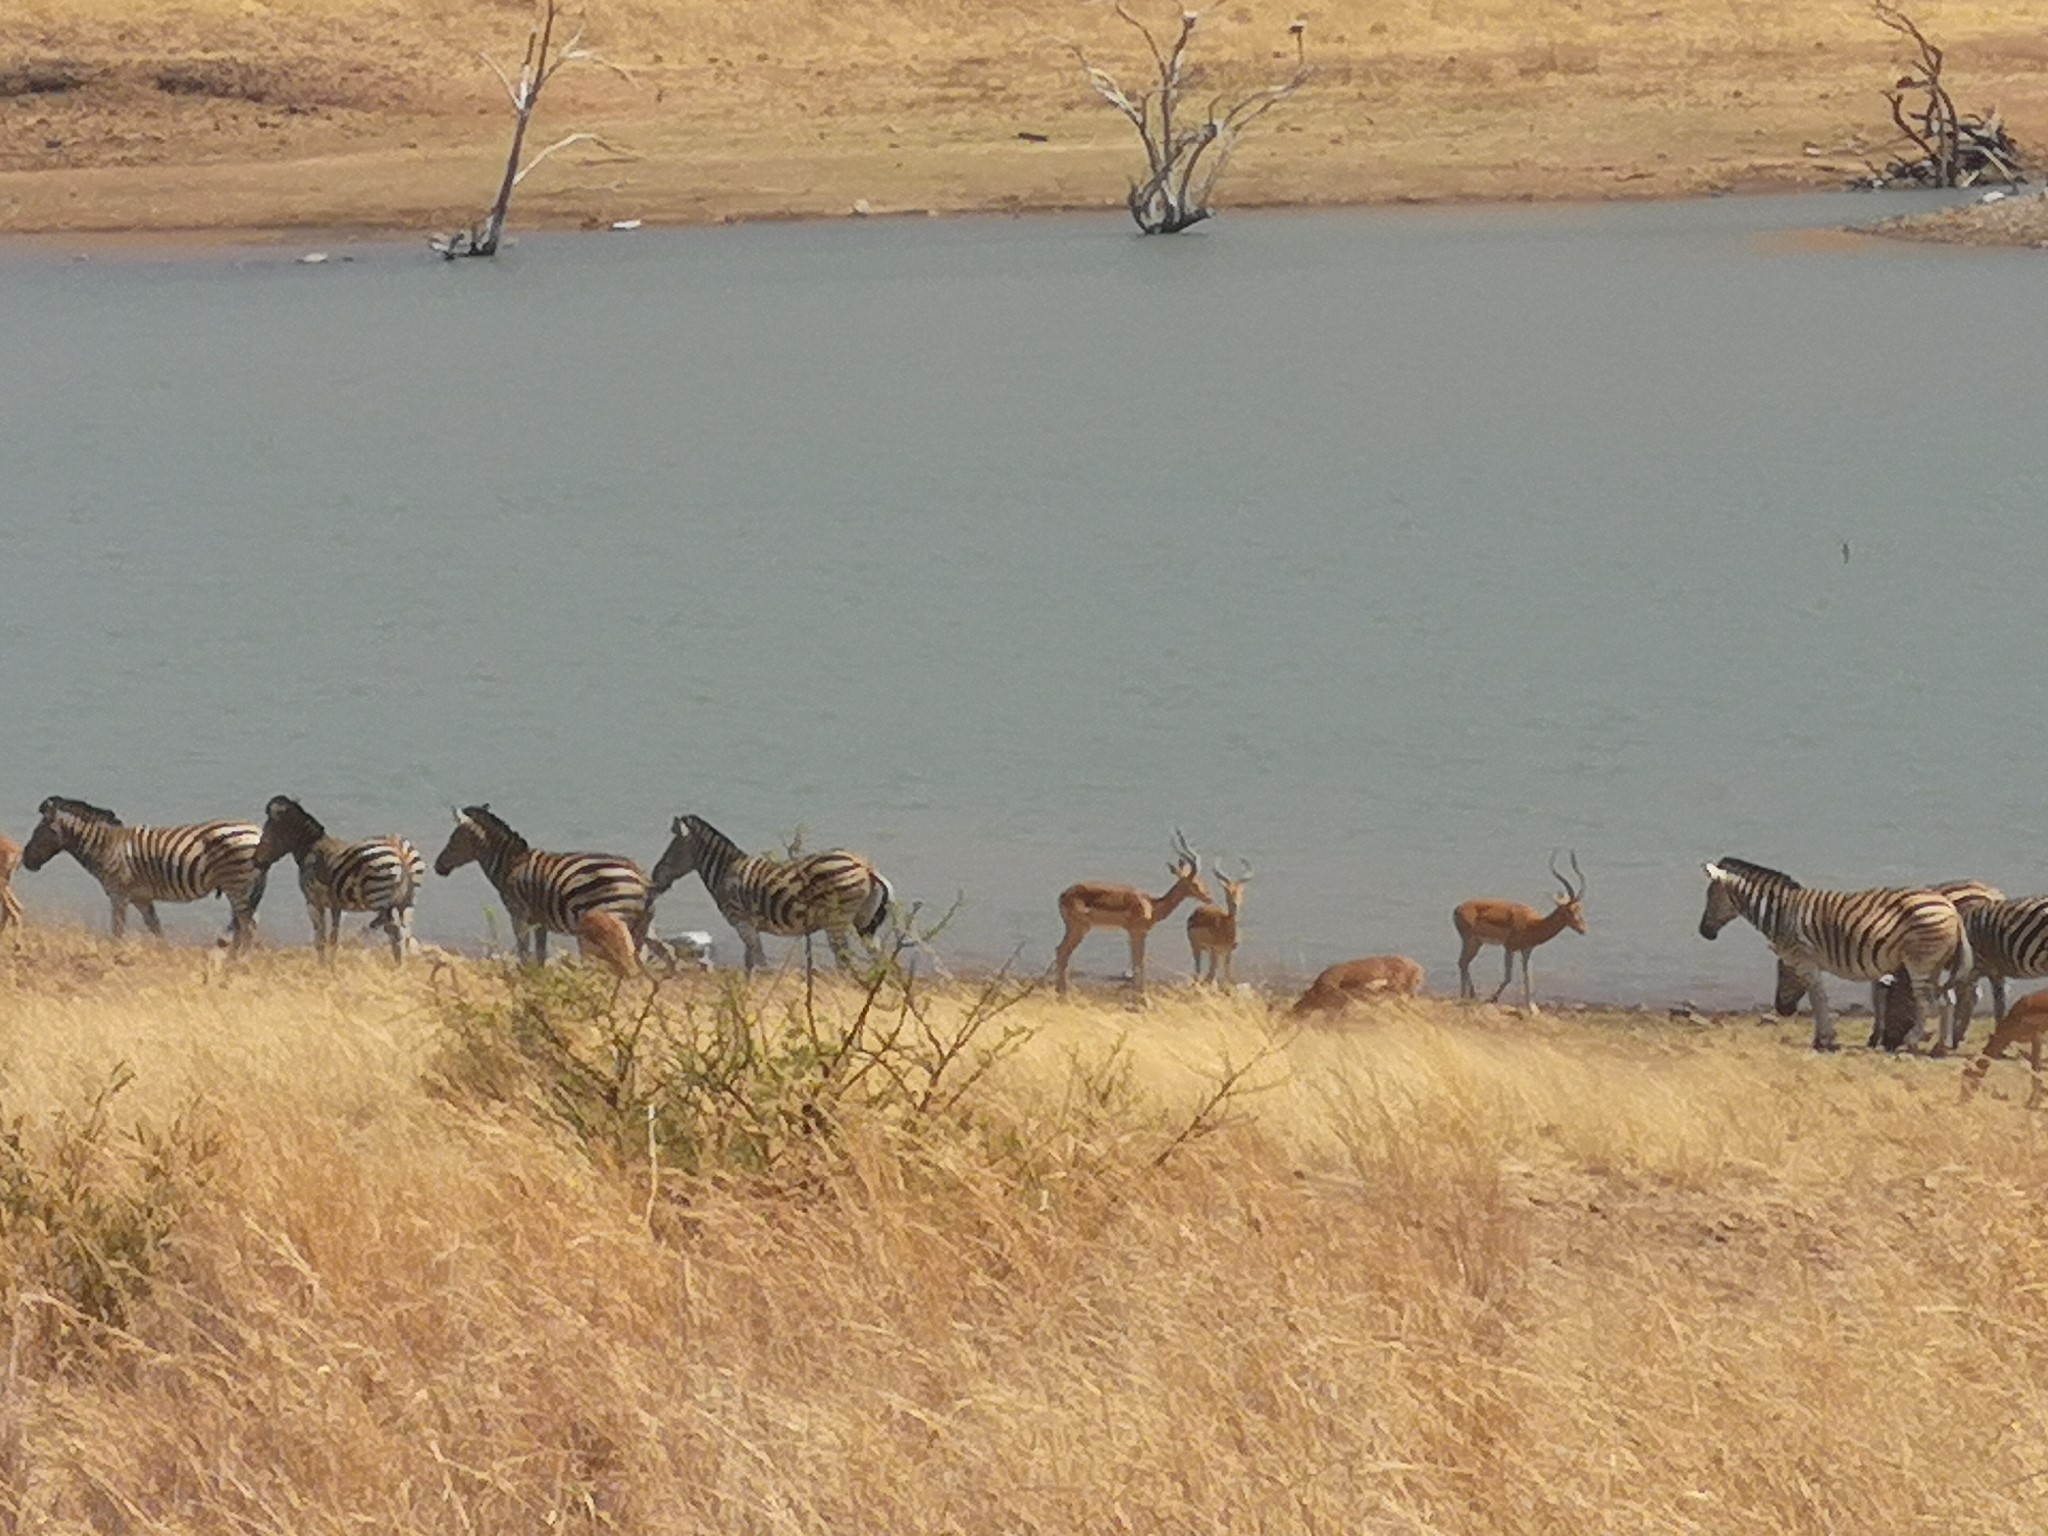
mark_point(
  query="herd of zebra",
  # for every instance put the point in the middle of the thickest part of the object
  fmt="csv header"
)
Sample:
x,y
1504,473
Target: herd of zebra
x,y
602,900
1923,950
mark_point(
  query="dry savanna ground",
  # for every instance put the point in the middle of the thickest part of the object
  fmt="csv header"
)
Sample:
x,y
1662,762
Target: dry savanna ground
x,y
248,115
295,1252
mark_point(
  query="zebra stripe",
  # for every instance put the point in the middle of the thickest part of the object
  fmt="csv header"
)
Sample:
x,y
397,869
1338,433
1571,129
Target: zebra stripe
x,y
381,875
140,866
1862,935
836,893
1967,895
2009,942
547,892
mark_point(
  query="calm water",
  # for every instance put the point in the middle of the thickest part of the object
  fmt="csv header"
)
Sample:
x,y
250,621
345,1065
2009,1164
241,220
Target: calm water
x,y
1386,550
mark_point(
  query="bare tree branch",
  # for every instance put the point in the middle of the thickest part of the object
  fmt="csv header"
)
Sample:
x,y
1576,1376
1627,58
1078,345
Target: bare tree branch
x,y
1181,171
542,62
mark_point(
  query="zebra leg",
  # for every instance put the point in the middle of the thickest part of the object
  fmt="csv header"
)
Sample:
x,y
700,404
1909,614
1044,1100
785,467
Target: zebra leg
x,y
755,957
120,922
1823,1021
149,917
840,952
540,945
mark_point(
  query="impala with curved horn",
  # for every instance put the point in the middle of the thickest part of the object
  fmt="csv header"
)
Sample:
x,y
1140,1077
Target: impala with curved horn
x,y
1518,929
1088,906
1212,931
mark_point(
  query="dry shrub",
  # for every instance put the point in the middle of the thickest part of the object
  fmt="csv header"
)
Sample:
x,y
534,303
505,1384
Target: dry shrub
x,y
1436,1270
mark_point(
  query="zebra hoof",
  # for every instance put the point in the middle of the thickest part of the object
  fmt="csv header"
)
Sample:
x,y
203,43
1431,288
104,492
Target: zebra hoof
x,y
1827,1046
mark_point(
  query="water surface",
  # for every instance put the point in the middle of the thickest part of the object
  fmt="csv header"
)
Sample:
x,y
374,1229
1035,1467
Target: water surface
x,y
1384,549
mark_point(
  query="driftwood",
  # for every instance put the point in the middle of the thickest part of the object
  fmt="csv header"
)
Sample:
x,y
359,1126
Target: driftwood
x,y
1951,149
543,61
1184,160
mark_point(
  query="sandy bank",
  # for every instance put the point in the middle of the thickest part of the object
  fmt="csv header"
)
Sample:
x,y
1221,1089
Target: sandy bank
x,y
337,113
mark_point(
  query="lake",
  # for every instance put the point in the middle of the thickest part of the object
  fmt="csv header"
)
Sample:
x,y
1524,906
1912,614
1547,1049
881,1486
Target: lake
x,y
1385,549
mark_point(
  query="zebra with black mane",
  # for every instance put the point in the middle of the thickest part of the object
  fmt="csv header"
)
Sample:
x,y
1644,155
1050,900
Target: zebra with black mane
x,y
381,875
836,893
141,866
600,898
1860,935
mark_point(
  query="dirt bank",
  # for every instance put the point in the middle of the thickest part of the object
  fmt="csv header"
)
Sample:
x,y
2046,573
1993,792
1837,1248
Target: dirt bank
x,y
246,115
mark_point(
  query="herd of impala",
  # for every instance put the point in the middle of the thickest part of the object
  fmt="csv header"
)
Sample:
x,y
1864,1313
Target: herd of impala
x,y
1213,930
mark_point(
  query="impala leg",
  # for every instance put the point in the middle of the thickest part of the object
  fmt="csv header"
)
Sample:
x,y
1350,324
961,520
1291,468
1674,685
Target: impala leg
x,y
1528,987
1228,956
1507,976
1061,956
1138,961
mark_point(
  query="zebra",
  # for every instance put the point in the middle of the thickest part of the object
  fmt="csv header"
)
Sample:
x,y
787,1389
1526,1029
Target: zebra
x,y
836,892
381,875
600,898
1968,895
1859,934
2009,942
141,866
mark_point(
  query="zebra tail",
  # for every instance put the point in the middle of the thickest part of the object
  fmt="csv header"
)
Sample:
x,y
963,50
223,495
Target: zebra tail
x,y
884,894
1962,963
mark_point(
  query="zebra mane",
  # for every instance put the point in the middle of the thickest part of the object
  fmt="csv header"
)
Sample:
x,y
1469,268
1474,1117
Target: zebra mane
x,y
494,824
81,809
1762,872
700,828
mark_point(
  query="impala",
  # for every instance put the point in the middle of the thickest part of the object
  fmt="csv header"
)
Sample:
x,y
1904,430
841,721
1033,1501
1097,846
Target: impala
x,y
1351,981
2025,1023
1088,906
10,904
1518,930
1212,931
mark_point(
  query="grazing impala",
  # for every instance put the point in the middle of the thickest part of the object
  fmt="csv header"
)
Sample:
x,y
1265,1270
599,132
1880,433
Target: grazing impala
x,y
10,904
1518,930
2025,1023
1352,981
1088,906
1212,931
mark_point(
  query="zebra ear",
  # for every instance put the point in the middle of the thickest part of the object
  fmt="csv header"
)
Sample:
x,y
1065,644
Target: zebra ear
x,y
1715,871
676,826
452,811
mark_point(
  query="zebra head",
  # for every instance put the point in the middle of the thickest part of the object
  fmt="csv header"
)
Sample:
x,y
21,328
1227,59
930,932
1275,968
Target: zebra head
x,y
287,828
476,833
1738,888
1724,901
679,858
64,821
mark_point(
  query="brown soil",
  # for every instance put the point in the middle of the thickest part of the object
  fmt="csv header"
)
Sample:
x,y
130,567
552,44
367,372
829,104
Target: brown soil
x,y
250,115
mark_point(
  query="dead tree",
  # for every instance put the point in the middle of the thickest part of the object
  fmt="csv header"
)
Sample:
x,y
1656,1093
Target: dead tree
x,y
1955,150
543,61
1184,159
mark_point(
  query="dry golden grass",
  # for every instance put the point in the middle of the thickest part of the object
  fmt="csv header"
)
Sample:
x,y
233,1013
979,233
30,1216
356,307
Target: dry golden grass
x,y
231,114
1444,1270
